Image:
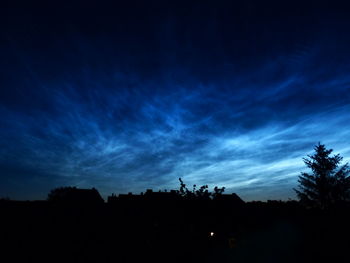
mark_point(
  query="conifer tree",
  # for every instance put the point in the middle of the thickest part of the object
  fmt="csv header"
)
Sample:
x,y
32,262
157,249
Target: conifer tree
x,y
328,183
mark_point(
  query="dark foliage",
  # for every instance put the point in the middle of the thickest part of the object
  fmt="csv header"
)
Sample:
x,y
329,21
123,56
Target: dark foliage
x,y
74,195
328,184
59,193
202,193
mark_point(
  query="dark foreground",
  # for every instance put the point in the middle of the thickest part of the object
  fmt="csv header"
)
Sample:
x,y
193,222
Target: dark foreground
x,y
172,232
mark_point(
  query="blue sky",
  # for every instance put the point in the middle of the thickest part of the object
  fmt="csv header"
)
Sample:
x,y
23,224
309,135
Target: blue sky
x,y
135,99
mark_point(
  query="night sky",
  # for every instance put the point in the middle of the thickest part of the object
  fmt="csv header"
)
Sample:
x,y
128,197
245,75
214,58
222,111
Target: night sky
x,y
129,95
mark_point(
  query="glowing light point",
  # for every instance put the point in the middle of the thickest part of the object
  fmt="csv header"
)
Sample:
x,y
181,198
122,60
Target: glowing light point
x,y
211,234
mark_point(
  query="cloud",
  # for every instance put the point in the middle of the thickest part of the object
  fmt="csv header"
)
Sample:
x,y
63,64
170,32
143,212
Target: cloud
x,y
119,132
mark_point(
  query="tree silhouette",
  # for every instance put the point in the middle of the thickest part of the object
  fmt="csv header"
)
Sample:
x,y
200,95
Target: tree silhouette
x,y
328,183
59,193
202,193
75,195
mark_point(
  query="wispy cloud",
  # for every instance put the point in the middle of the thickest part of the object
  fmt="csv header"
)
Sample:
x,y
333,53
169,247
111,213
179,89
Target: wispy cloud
x,y
248,134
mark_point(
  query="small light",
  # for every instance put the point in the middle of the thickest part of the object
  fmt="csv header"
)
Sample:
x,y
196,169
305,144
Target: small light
x,y
211,234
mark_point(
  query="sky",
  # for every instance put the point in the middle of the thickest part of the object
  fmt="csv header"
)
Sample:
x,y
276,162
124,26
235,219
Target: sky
x,y
129,95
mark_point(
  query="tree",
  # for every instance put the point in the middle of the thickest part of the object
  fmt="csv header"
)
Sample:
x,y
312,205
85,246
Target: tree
x,y
60,193
70,194
328,183
201,194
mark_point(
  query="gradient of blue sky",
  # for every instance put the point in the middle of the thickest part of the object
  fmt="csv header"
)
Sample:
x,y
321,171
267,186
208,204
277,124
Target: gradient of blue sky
x,y
123,98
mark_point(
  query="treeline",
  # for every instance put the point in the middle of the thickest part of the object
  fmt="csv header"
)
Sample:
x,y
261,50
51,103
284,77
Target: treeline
x,y
76,225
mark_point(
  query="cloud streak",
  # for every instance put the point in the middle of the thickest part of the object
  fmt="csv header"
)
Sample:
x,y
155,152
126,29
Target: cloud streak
x,y
214,97
122,140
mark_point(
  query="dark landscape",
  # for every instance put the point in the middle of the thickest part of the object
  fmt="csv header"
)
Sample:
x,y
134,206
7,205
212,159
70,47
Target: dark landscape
x,y
199,225
162,228
174,131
